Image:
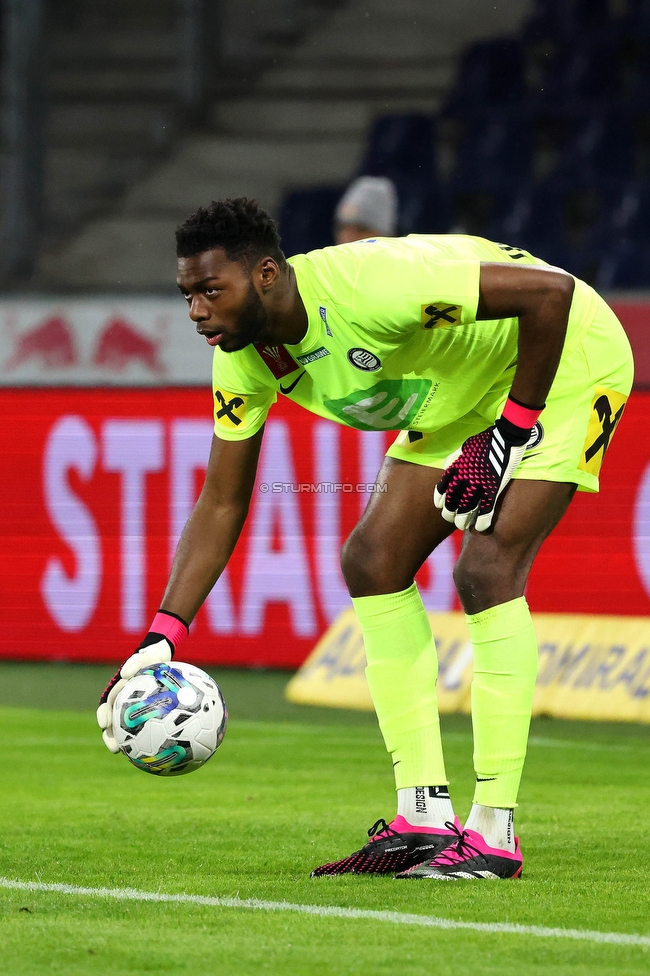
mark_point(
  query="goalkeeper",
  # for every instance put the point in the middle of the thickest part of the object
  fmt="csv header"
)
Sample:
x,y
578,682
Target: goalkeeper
x,y
505,379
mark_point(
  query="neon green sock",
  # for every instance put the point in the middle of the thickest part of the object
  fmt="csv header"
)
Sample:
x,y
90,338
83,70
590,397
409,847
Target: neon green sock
x,y
505,668
402,672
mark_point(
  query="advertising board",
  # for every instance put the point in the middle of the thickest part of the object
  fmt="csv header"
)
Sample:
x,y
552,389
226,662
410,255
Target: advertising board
x,y
97,485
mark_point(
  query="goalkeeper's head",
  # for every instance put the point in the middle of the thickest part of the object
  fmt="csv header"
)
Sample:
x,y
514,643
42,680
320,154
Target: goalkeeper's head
x,y
241,227
231,271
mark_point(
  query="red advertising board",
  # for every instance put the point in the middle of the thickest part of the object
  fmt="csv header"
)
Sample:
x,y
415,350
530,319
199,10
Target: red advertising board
x,y
97,485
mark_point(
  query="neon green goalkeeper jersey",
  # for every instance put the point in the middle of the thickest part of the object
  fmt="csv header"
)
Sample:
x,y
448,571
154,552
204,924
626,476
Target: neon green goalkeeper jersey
x,y
392,341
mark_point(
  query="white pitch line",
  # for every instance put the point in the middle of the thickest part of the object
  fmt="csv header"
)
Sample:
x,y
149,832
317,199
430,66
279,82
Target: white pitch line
x,y
333,911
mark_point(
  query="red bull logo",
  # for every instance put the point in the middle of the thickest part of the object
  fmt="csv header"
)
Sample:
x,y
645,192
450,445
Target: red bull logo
x,y
120,344
51,342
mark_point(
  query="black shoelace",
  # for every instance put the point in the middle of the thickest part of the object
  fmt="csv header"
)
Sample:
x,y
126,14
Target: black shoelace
x,y
380,827
460,850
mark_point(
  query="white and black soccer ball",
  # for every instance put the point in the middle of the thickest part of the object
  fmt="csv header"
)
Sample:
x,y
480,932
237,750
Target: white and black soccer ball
x,y
169,719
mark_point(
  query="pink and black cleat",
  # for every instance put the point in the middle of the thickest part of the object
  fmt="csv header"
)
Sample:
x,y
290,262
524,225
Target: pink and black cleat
x,y
393,847
468,857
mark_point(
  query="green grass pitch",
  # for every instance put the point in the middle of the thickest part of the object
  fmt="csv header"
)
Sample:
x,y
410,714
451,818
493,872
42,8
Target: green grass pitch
x,y
290,788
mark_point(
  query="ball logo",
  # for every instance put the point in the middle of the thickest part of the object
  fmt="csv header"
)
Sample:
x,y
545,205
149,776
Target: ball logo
x,y
365,360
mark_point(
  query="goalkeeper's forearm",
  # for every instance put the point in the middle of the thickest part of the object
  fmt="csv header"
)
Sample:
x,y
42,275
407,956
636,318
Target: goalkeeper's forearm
x,y
213,528
540,297
203,551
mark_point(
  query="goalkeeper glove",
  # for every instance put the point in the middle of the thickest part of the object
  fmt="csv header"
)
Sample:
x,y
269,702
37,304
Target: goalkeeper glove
x,y
167,631
477,474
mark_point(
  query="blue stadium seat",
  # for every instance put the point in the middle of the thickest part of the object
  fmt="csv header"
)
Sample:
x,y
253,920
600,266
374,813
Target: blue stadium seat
x,y
535,223
627,266
637,77
600,145
625,217
481,212
494,151
582,72
636,22
424,208
306,219
491,73
561,19
401,145
630,216
554,223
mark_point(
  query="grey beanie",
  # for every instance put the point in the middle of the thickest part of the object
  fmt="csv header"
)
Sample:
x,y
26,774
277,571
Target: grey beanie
x,y
371,201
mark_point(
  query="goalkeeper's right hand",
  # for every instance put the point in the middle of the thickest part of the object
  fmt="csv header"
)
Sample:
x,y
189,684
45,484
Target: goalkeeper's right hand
x,y
166,633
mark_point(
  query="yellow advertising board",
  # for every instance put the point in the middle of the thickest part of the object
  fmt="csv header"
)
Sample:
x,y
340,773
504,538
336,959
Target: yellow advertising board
x,y
590,667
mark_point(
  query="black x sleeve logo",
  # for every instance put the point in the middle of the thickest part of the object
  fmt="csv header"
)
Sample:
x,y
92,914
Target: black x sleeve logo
x,y
438,314
228,408
603,408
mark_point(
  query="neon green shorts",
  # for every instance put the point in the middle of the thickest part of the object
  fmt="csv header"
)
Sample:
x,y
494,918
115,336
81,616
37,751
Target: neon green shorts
x,y
582,410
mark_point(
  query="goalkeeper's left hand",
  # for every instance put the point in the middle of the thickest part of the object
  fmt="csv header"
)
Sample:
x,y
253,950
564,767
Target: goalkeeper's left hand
x,y
476,475
167,631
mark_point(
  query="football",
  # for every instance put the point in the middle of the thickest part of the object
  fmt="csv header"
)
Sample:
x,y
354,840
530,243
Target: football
x,y
169,719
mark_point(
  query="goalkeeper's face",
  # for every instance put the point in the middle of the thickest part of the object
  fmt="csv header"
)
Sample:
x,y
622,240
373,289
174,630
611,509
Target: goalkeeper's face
x,y
223,301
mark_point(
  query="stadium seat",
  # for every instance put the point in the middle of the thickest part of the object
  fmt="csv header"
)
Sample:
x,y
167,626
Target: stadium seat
x,y
306,219
636,22
491,73
424,208
480,213
630,216
600,145
560,19
494,151
637,76
401,145
582,72
627,266
534,223
626,216
553,223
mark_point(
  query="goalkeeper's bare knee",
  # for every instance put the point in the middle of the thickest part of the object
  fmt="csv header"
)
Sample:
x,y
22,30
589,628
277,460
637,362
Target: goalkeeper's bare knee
x,y
488,572
370,566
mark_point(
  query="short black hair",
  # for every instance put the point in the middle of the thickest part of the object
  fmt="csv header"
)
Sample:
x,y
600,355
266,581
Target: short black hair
x,y
239,226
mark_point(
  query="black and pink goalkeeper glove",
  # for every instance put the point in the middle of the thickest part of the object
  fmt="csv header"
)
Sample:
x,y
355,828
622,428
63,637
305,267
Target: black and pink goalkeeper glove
x,y
476,475
165,634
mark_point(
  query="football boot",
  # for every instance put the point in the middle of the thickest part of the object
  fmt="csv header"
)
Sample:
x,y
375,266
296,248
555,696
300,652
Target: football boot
x,y
468,857
392,847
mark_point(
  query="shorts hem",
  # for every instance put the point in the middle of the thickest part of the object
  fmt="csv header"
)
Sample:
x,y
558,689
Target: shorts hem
x,y
584,480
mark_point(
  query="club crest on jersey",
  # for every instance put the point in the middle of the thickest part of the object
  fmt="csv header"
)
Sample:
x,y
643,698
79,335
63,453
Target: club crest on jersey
x,y
437,315
229,409
365,360
277,359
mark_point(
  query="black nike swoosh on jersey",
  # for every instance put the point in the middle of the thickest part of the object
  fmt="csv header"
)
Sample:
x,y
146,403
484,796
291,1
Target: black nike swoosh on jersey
x,y
292,385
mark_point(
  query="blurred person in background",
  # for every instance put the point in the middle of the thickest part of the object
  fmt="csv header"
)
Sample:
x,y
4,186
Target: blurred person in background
x,y
368,208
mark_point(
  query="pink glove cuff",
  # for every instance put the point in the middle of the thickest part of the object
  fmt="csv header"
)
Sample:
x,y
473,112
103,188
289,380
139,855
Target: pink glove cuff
x,y
170,627
519,415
